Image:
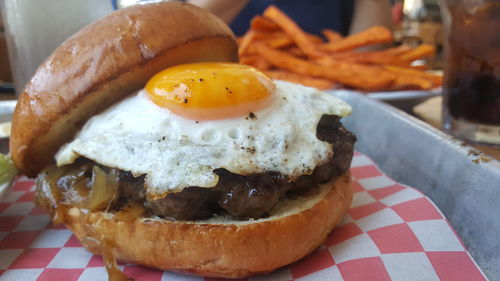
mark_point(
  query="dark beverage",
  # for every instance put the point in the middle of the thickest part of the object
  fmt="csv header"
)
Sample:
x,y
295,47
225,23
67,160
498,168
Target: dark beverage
x,y
472,72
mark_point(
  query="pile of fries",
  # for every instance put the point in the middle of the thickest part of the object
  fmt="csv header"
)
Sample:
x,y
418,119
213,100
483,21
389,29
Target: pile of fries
x,y
276,45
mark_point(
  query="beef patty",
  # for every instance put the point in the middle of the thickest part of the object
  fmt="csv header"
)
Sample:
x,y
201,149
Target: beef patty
x,y
250,196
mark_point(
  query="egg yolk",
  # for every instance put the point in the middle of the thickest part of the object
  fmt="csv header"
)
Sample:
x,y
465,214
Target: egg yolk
x,y
209,91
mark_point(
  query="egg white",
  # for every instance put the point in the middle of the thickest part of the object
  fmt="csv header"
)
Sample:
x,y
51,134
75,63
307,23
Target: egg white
x,y
138,136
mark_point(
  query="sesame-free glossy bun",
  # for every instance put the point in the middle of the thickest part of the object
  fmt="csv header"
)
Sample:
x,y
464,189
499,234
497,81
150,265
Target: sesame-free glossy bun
x,y
220,247
103,63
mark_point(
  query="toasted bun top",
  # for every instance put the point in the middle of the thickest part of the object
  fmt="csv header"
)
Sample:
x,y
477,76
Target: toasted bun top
x,y
103,63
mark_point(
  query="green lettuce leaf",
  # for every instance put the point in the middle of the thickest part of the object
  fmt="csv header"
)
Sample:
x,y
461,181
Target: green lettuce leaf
x,y
7,169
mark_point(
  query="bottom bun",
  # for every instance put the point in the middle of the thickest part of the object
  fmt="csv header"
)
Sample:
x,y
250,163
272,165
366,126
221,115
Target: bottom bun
x,y
220,246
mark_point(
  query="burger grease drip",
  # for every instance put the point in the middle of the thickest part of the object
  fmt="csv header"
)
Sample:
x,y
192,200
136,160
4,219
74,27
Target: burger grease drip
x,y
104,246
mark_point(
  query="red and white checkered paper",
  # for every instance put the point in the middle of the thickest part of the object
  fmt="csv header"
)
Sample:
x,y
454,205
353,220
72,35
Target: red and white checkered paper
x,y
391,232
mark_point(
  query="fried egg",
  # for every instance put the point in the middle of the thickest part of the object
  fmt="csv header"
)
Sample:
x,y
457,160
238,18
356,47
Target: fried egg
x,y
192,119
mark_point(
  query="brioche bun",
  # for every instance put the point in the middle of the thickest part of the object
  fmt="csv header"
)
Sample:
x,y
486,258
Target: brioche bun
x,y
103,63
221,247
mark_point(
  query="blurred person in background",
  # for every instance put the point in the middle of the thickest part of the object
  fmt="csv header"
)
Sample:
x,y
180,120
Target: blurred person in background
x,y
397,12
344,16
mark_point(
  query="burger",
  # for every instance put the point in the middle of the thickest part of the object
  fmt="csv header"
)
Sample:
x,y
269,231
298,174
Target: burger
x,y
154,147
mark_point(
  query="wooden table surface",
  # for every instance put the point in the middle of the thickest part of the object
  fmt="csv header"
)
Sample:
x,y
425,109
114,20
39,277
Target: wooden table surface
x,y
430,112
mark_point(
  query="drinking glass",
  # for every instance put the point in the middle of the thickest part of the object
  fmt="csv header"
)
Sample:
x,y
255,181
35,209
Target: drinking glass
x,y
34,28
471,89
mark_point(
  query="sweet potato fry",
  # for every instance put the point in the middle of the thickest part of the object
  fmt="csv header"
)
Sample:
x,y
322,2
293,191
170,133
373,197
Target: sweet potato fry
x,y
295,51
262,64
436,80
306,80
260,23
246,42
377,58
259,35
255,61
248,59
276,39
419,52
359,76
380,59
367,77
278,43
331,35
288,62
396,51
293,31
404,81
315,39
371,36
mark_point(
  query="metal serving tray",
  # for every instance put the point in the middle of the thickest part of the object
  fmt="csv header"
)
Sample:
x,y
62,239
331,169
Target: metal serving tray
x,y
463,182
404,100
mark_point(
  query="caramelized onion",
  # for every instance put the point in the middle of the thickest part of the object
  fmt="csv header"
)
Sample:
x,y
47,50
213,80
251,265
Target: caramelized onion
x,y
104,189
114,273
84,186
48,196
130,213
